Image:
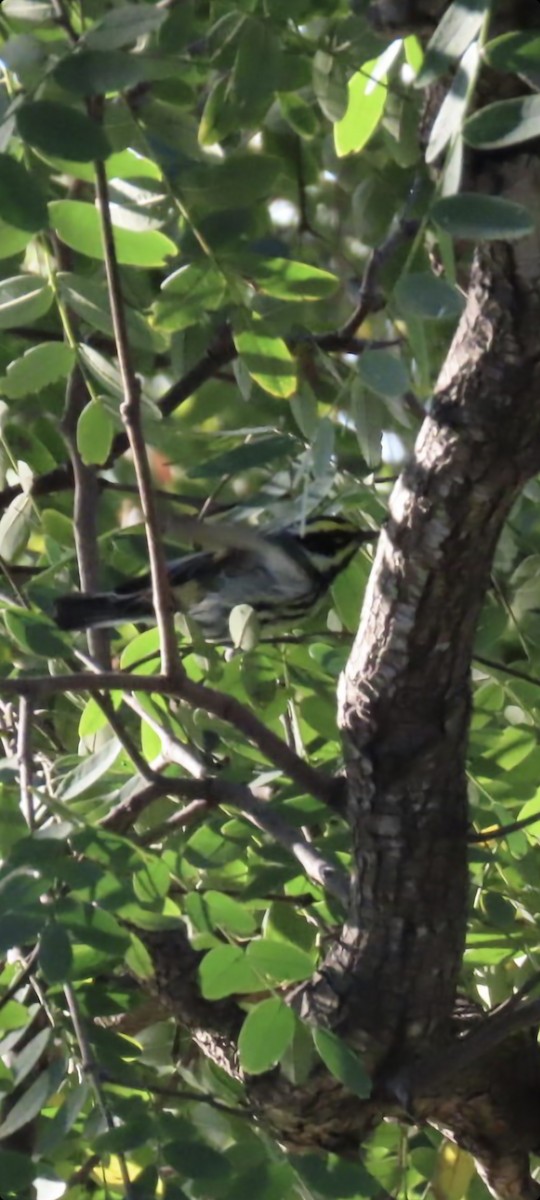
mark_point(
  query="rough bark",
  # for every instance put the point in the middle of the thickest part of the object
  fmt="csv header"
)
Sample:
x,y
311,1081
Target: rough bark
x,y
389,981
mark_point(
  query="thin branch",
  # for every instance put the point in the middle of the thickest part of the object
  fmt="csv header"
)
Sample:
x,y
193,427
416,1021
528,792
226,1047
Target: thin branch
x,y
160,1089
91,1070
514,672
24,977
221,792
501,831
173,749
131,414
24,758
369,300
85,507
311,779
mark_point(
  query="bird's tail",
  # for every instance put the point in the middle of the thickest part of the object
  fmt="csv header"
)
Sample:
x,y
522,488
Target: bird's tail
x,y
91,610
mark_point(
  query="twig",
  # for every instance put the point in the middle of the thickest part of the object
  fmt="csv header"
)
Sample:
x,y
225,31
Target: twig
x,y
187,816
85,507
24,757
172,747
500,831
221,792
311,779
368,300
90,1069
514,672
131,413
160,1089
24,977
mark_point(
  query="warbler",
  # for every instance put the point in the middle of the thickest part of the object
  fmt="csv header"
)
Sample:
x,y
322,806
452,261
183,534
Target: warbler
x,y
281,575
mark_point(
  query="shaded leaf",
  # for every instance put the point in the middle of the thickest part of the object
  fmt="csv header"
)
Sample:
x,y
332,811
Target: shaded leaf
x,y
58,129
481,217
22,201
342,1062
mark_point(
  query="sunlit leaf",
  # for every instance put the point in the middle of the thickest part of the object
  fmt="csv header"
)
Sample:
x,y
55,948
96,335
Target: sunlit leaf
x,y
265,1035
78,225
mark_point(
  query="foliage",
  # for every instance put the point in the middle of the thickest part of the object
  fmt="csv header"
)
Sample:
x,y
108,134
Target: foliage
x,y
255,155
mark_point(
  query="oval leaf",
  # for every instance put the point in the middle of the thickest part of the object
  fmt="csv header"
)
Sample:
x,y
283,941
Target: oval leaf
x,y
23,298
422,294
95,432
58,129
22,202
506,123
278,962
342,1062
79,227
265,1035
55,956
482,217
268,361
39,366
224,971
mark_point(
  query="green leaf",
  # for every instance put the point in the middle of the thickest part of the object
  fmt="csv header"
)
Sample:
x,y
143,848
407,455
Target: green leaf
x,y
13,1016
137,245
289,280
90,300
225,971
90,771
31,1053
301,116
329,86
284,923
15,526
422,294
12,240
517,53
239,181
268,361
228,914
33,1100
58,129
98,72
23,299
278,962
34,632
55,955
342,1062
123,26
383,372
22,201
188,294
255,74
16,929
265,1035
367,94
456,30
95,432
17,1171
151,882
37,368
481,217
505,123
368,420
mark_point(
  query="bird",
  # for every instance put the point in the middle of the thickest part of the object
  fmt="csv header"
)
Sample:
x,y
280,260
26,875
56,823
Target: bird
x,y
281,574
